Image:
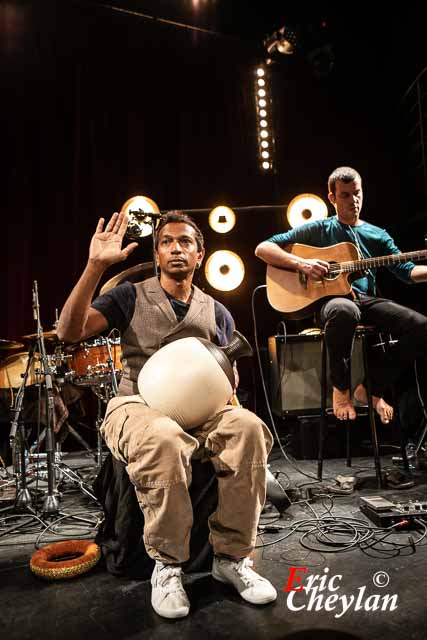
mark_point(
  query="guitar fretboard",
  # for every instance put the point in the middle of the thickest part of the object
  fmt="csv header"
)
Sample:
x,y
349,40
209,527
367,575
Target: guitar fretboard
x,y
382,261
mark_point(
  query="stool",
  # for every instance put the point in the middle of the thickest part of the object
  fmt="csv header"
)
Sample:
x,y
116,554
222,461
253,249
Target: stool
x,y
362,332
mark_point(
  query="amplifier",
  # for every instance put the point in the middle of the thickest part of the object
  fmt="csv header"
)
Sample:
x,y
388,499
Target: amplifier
x,y
295,373
385,513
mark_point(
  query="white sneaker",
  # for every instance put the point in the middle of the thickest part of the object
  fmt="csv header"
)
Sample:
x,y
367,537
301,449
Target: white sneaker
x,y
252,587
168,597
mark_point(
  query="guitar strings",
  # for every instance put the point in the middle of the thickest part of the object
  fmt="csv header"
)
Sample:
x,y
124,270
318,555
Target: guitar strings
x,y
340,268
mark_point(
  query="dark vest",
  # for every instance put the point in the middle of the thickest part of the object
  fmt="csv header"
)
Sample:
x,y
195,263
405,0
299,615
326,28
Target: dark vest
x,y
154,324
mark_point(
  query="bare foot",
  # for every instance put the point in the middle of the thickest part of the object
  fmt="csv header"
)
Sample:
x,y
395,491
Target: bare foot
x,y
343,406
384,410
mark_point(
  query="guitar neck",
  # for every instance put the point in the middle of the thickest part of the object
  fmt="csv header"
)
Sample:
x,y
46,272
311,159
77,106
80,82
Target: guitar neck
x,y
382,261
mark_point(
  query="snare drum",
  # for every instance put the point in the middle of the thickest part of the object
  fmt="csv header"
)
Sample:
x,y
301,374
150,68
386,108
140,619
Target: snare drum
x,y
89,362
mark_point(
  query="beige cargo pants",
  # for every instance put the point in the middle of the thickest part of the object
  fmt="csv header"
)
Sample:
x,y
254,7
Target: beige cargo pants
x,y
158,452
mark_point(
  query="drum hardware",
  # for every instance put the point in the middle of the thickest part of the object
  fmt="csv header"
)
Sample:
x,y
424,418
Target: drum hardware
x,y
72,475
111,365
95,363
6,345
17,442
36,444
109,392
50,504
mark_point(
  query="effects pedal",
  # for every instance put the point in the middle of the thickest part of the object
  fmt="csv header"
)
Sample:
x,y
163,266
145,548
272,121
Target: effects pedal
x,y
385,513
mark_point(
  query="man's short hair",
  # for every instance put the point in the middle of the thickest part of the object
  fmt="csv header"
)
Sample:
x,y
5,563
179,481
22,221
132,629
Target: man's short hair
x,y
179,216
345,174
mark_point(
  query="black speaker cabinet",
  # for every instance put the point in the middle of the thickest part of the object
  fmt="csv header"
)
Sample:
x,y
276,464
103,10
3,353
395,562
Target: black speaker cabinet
x,y
295,374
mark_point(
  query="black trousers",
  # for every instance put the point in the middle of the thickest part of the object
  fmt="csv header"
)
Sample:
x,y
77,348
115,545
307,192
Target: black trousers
x,y
340,316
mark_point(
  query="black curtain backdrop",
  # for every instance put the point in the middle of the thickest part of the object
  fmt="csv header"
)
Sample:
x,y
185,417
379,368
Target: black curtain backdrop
x,y
99,106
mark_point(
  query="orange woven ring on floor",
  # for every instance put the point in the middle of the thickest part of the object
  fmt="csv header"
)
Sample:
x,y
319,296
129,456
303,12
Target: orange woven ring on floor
x,y
42,563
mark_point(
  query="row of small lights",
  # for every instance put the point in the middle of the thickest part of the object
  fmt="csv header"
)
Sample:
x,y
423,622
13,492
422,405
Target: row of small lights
x,y
263,109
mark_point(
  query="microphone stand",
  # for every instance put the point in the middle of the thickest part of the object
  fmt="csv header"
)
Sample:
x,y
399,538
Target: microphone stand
x,y
110,363
109,393
50,504
23,497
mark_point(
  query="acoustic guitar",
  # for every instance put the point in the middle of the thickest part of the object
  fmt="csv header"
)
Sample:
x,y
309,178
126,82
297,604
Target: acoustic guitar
x,y
297,295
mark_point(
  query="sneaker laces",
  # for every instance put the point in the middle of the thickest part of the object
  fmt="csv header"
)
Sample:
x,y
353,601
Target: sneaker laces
x,y
243,568
169,577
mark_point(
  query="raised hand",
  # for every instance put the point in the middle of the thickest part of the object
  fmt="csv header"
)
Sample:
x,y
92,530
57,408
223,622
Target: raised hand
x,y
106,245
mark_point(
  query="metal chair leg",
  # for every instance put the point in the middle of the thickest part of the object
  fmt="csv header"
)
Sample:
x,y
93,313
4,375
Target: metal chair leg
x,y
323,416
371,414
348,442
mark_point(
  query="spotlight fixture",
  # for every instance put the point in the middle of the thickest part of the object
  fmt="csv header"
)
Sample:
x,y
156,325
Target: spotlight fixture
x,y
222,219
139,226
284,40
263,115
224,270
310,39
305,208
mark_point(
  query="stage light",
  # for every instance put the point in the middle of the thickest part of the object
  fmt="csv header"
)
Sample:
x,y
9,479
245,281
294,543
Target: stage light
x,y
139,205
264,119
224,270
284,40
306,208
222,219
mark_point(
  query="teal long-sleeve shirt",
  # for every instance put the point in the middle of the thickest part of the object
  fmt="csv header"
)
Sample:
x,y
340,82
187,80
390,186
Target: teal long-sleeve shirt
x,y
371,241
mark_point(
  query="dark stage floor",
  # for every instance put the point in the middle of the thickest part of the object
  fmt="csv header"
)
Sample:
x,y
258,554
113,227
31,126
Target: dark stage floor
x,y
99,605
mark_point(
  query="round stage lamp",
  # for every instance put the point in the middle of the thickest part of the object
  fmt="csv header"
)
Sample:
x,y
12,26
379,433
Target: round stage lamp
x,y
305,208
224,270
139,224
222,219
205,373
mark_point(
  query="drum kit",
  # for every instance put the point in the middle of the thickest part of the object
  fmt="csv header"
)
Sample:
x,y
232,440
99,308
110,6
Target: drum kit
x,y
94,364
84,364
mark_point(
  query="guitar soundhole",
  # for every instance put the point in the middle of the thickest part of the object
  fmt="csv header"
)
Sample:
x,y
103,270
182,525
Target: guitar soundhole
x,y
334,271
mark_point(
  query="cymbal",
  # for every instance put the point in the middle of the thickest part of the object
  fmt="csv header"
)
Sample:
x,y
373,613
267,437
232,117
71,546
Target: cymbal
x,y
47,335
133,274
10,344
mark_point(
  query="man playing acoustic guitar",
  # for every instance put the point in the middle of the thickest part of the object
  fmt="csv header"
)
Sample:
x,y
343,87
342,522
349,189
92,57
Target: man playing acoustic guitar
x,y
302,276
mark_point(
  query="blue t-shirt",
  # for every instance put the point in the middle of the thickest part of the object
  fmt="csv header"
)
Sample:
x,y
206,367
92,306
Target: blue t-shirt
x,y
371,241
118,306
